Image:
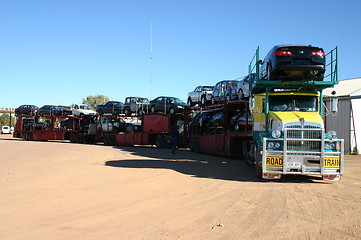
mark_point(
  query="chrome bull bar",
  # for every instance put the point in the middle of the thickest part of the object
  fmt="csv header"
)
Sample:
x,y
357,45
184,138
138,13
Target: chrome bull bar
x,y
303,154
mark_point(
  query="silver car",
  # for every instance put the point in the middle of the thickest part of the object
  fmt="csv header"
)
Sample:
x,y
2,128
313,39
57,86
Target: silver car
x,y
243,86
201,95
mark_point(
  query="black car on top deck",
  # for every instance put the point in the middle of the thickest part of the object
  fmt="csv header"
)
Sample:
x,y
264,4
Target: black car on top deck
x,y
294,62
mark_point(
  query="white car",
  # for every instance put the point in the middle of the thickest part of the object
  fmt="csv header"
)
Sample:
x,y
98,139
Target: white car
x,y
5,130
200,95
81,110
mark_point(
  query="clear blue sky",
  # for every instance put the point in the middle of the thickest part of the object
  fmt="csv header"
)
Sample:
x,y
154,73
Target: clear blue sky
x,y
61,51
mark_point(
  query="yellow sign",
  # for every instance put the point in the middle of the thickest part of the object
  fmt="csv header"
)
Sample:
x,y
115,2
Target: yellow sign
x,y
274,161
332,162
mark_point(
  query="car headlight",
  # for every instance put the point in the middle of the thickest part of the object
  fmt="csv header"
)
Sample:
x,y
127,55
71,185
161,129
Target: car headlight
x,y
276,133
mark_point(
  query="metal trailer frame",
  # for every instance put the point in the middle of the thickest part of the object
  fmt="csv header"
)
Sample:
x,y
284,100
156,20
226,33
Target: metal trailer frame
x,y
230,144
53,133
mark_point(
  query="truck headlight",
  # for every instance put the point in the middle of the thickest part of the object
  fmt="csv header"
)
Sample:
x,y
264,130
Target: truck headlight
x,y
276,133
273,145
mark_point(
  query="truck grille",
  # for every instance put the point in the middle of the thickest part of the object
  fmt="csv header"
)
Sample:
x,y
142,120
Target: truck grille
x,y
303,134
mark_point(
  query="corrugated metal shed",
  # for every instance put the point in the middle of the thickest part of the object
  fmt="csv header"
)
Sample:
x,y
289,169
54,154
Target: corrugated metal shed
x,y
347,121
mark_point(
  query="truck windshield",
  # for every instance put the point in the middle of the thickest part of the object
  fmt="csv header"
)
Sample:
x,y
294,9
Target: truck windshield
x,y
293,103
84,107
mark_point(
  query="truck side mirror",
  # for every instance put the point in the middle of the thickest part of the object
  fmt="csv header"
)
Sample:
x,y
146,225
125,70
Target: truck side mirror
x,y
334,106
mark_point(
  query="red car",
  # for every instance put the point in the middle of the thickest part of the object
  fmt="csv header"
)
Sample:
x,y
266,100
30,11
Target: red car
x,y
26,110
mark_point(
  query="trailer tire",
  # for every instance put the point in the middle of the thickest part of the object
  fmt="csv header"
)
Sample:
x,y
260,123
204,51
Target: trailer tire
x,y
113,141
72,138
159,141
106,141
166,142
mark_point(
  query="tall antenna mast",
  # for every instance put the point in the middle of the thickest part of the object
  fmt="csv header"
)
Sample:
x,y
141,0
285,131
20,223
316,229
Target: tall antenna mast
x,y
151,58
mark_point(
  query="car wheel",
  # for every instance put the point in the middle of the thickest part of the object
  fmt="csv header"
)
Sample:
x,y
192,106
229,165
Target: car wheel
x,y
228,98
126,112
171,110
240,94
269,70
189,102
213,101
203,100
320,77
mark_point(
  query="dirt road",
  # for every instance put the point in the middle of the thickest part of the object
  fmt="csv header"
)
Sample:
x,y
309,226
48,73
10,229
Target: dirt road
x,y
55,190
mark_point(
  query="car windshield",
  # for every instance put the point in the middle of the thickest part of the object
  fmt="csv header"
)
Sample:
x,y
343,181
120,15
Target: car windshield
x,y
175,100
294,103
84,107
142,100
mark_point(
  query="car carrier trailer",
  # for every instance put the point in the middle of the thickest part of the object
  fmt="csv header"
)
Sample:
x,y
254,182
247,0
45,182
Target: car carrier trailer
x,y
147,129
44,128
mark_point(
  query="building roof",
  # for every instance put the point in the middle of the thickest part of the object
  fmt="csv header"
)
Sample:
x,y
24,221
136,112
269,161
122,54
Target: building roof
x,y
347,87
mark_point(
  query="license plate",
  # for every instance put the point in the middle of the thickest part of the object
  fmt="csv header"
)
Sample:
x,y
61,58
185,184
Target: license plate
x,y
274,161
332,162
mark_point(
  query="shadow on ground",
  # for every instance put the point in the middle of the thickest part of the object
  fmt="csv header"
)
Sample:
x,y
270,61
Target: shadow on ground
x,y
197,165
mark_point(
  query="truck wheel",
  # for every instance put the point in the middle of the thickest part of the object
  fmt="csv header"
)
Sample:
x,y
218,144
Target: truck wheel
x,y
258,162
25,137
213,101
171,110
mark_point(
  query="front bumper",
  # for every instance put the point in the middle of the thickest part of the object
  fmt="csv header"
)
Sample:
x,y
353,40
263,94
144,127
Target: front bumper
x,y
328,164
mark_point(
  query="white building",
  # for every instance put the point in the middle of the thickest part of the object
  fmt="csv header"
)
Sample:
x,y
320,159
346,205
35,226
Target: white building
x,y
347,121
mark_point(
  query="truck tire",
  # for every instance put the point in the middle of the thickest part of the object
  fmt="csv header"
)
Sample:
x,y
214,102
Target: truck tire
x,y
258,162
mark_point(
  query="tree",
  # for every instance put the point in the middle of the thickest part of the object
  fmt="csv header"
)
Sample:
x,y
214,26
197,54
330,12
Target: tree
x,y
5,120
93,101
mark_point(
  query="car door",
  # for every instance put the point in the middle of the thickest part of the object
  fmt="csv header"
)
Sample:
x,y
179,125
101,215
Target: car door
x,y
216,91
